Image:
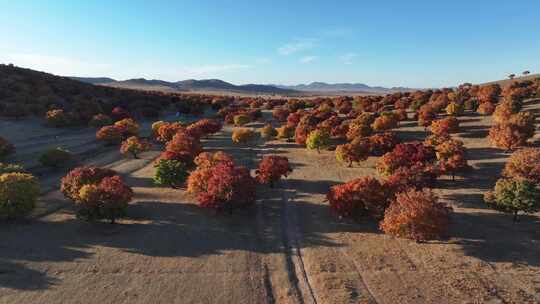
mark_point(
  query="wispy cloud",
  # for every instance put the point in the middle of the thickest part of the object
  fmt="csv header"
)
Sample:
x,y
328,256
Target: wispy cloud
x,y
347,58
308,59
297,46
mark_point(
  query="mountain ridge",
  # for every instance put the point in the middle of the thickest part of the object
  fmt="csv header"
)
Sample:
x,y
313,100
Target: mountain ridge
x,y
319,86
220,85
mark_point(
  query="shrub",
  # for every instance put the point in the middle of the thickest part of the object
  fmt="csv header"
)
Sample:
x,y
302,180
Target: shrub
x,y
172,173
155,128
280,114
489,93
208,159
384,122
525,122
507,136
228,187
56,118
18,194
128,127
6,148
268,132
272,168
294,119
356,151
188,147
107,199
197,181
362,196
486,108
524,164
110,135
451,156
454,109
167,130
55,157
11,168
208,126
301,133
471,104
401,114
382,143
72,183
318,139
286,132
358,129
241,119
435,140
405,155
426,115
503,112
513,196
445,126
416,215
134,146
243,135
100,120
416,176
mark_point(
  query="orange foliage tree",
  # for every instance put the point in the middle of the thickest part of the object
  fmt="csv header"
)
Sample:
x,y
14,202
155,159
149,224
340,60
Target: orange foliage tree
x,y
417,215
362,196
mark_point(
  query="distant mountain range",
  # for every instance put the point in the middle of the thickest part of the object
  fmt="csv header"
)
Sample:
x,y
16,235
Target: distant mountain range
x,y
191,85
341,87
216,85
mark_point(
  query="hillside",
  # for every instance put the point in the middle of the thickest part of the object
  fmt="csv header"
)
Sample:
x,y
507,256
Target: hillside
x,y
506,82
25,91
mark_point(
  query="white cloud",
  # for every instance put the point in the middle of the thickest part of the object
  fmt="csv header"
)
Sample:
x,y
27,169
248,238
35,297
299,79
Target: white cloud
x,y
297,46
347,58
308,59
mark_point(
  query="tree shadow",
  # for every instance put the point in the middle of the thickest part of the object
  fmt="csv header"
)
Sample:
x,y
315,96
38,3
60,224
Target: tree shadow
x,y
154,229
309,187
493,237
485,153
474,131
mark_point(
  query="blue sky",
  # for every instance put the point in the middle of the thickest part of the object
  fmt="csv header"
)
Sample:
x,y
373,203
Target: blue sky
x,y
388,43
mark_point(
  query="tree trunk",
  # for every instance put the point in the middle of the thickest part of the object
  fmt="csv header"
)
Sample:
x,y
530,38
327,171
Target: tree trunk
x,y
515,219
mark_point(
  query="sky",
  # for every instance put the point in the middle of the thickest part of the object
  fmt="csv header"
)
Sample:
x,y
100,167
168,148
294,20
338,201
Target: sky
x,y
385,43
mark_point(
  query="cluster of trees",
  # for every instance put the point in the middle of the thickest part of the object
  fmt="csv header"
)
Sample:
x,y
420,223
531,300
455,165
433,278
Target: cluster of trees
x,y
115,133
98,193
412,213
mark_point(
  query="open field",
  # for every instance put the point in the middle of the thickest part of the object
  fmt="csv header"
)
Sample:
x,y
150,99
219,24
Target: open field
x,y
287,248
